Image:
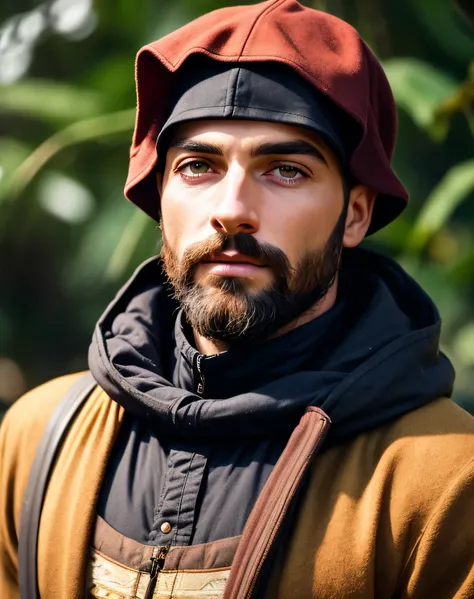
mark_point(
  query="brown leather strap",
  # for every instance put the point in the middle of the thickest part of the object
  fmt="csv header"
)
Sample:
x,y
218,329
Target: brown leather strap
x,y
273,503
40,473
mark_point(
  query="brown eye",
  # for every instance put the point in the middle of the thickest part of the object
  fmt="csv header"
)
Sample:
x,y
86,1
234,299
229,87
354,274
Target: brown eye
x,y
198,168
288,172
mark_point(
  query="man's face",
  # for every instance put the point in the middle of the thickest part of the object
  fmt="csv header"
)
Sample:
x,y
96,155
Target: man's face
x,y
253,222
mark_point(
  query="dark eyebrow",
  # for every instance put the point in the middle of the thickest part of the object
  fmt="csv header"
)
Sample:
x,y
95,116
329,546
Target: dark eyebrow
x,y
197,146
296,146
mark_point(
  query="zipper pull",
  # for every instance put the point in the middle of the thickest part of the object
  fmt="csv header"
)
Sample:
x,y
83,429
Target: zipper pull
x,y
202,380
157,562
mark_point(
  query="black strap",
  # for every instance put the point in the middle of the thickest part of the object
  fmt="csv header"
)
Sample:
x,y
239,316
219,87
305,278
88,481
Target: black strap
x,y
40,473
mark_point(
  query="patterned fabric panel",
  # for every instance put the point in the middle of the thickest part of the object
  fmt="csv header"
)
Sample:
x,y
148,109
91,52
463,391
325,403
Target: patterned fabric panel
x,y
108,579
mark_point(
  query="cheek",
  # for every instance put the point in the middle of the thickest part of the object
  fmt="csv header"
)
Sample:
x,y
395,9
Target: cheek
x,y
181,220
304,222
171,218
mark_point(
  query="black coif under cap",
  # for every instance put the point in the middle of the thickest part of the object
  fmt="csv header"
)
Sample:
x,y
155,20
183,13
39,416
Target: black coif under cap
x,y
258,91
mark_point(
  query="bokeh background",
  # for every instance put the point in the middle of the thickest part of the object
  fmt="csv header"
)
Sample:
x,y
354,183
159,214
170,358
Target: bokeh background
x,y
68,238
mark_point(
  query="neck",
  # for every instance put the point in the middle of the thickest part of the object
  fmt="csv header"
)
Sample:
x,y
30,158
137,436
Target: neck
x,y
210,347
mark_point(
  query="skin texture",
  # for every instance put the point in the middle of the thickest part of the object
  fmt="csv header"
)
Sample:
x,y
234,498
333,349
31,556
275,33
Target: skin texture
x,y
292,201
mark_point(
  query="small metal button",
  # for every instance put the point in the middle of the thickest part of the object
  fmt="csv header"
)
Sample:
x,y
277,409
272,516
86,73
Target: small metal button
x,y
165,528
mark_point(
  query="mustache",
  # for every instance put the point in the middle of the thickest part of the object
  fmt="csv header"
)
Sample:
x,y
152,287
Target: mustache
x,y
245,244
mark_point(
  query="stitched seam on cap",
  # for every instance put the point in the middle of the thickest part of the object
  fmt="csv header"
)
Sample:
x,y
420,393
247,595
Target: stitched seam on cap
x,y
234,105
264,11
231,93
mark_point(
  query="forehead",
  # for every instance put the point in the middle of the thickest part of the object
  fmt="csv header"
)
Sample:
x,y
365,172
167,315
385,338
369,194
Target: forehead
x,y
246,134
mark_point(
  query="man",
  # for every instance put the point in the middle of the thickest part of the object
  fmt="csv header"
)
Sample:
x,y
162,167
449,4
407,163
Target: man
x,y
272,415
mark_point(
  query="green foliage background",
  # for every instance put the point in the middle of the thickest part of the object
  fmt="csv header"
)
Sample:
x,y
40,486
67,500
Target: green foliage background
x,y
68,238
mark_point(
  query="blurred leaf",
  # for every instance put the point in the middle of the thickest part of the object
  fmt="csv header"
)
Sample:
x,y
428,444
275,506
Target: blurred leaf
x,y
461,101
420,88
444,246
467,9
462,268
113,76
12,154
455,187
438,285
97,245
121,258
66,198
463,344
446,27
48,100
393,237
96,129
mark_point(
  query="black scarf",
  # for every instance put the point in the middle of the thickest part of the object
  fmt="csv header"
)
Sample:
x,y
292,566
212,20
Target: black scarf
x,y
372,357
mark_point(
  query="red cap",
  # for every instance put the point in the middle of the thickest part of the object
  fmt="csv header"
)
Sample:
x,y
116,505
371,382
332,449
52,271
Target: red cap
x,y
325,50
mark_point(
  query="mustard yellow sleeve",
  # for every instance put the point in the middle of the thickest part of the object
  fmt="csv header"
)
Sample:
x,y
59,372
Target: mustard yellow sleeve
x,y
441,564
20,434
8,531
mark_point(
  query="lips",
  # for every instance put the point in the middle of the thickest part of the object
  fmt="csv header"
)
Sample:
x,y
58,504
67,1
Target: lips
x,y
233,264
233,257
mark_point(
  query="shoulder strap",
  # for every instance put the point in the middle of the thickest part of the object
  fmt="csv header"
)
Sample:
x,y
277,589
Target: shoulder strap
x,y
40,473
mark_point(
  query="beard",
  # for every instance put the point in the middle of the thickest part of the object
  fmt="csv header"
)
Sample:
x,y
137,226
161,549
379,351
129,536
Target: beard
x,y
222,309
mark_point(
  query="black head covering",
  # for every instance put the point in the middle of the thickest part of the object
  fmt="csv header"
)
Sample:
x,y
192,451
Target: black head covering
x,y
261,91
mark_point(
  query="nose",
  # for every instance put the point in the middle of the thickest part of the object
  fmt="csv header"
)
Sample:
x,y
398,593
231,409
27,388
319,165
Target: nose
x,y
234,211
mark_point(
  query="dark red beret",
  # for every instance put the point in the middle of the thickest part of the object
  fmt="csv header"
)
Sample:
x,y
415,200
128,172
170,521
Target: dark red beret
x,y
325,50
